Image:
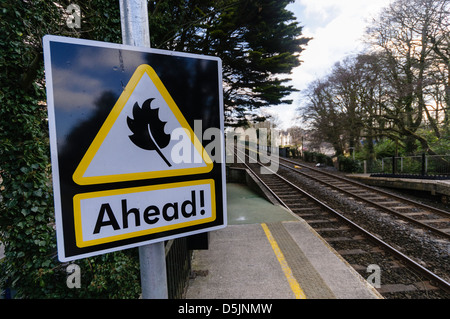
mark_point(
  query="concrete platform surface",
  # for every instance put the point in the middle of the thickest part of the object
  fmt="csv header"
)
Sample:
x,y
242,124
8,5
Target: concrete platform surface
x,y
435,187
266,252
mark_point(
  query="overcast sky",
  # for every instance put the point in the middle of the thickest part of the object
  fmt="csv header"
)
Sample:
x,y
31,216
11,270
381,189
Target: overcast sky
x,y
337,27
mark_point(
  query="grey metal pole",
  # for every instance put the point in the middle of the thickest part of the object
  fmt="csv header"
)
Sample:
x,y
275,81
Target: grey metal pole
x,y
152,258
134,21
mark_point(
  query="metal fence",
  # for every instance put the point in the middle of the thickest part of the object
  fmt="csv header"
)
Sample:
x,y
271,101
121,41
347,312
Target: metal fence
x,y
422,165
178,266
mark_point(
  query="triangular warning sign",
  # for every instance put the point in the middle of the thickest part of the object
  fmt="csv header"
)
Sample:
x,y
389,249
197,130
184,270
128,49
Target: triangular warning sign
x,y
144,136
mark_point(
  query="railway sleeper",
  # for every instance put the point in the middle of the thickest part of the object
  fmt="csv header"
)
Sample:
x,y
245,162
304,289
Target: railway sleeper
x,y
290,196
391,265
340,228
298,205
396,288
320,221
337,239
304,209
409,214
389,202
305,216
358,251
438,220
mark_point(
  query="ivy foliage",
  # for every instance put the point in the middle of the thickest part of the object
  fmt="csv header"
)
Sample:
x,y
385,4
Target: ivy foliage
x,y
27,230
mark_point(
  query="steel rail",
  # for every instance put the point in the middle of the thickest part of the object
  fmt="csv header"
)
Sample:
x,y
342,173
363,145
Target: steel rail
x,y
373,203
424,206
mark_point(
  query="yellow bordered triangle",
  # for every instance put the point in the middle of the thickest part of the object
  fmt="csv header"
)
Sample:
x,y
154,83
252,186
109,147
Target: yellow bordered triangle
x,y
114,156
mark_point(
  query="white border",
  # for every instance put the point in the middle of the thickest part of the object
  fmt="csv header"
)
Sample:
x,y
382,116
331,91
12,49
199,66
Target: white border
x,y
54,147
56,38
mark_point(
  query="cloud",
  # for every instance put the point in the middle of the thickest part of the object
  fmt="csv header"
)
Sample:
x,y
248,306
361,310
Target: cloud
x,y
80,93
337,28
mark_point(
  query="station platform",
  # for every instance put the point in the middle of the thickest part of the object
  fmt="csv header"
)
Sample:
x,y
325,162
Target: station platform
x,y
435,187
266,252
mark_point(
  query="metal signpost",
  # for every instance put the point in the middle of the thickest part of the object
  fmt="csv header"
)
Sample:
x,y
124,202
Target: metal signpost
x,y
152,257
136,137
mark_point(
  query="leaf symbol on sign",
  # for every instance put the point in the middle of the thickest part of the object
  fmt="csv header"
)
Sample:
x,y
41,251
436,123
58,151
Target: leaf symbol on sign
x,y
148,129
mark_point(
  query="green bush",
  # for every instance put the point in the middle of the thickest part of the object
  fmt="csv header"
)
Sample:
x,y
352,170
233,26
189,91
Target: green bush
x,y
308,156
324,159
347,164
315,157
385,148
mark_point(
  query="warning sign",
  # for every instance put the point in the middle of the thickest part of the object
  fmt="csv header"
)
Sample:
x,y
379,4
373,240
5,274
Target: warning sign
x,y
142,137
128,167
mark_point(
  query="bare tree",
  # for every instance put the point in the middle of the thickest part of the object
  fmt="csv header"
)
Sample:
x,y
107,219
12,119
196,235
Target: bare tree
x,y
404,34
323,115
398,89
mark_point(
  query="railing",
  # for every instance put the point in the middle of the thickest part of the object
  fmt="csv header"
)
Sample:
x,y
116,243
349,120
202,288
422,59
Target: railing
x,y
423,166
178,266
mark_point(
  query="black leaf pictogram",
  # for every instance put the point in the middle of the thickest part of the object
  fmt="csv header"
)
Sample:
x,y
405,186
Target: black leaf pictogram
x,y
148,129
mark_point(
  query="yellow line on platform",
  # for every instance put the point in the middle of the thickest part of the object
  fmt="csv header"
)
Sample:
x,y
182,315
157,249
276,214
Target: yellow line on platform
x,y
298,292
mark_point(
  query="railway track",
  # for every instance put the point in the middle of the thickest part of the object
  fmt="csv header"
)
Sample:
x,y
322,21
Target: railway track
x,y
402,276
424,216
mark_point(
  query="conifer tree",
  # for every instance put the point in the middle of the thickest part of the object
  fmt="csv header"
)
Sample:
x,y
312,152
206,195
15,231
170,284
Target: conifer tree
x,y
258,40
